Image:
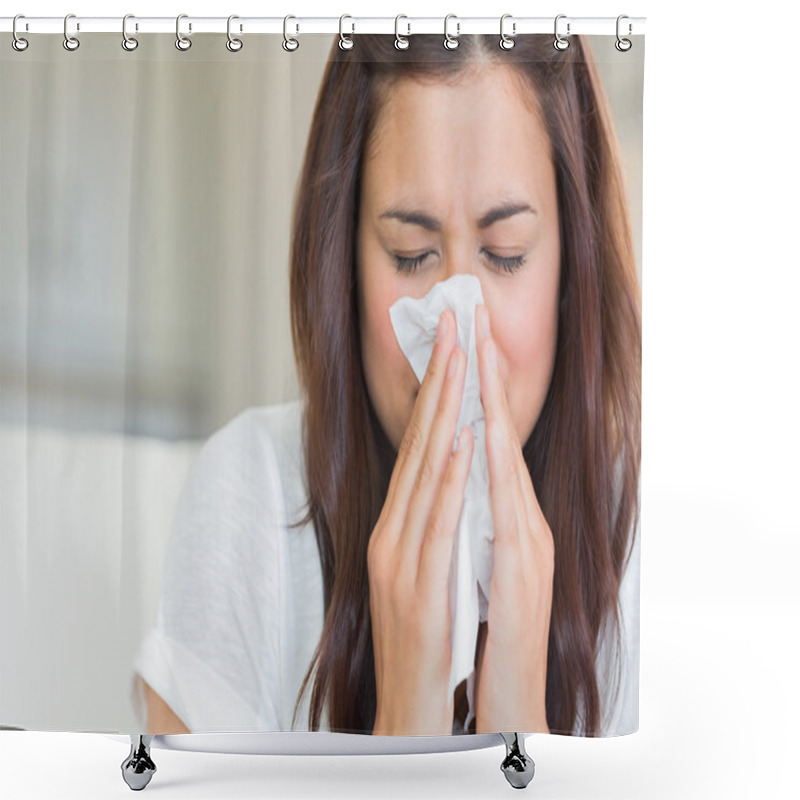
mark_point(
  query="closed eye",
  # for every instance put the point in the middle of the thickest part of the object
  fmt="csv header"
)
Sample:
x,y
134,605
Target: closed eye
x,y
508,264
410,264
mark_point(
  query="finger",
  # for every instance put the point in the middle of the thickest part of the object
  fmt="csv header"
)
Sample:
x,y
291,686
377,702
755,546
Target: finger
x,y
503,486
435,461
528,509
535,523
493,396
508,505
530,502
436,550
415,438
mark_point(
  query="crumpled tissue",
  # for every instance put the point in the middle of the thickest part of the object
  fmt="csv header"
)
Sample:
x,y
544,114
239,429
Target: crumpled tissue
x,y
415,321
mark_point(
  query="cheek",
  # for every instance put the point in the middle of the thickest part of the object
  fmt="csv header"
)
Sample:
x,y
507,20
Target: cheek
x,y
385,355
526,332
378,337
526,364
391,382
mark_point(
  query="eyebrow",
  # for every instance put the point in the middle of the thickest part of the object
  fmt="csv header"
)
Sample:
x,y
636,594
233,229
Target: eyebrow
x,y
411,217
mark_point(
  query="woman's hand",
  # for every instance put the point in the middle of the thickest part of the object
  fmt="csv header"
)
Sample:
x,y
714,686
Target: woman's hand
x,y
410,550
511,668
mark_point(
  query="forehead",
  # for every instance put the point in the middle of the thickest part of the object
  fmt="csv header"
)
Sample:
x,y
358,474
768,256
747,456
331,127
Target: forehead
x,y
480,130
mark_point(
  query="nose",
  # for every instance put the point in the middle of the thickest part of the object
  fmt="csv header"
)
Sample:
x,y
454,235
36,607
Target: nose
x,y
458,257
457,268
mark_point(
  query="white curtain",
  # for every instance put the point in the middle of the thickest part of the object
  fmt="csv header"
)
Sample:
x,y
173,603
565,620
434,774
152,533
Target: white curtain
x,y
146,201
145,214
145,209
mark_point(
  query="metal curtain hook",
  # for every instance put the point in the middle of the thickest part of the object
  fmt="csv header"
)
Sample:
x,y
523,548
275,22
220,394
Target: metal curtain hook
x,y
560,43
128,42
70,42
289,43
623,44
506,42
17,42
401,42
181,41
233,44
345,42
451,42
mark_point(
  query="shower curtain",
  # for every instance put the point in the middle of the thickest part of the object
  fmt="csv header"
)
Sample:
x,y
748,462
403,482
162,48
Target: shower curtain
x,y
200,249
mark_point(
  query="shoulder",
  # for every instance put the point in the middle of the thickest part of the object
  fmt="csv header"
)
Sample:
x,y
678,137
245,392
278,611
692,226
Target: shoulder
x,y
279,428
281,425
230,560
258,442
254,427
242,476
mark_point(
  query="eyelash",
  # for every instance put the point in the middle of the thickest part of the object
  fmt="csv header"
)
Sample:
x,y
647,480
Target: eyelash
x,y
510,265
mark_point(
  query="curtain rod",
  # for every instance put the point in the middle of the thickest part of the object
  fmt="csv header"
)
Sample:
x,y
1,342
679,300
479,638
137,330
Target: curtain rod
x,y
512,26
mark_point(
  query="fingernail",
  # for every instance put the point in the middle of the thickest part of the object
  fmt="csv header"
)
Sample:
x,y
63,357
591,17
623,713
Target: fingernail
x,y
443,325
483,323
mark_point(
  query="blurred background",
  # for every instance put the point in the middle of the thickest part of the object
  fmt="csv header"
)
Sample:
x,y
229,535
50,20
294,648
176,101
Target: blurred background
x,y
145,207
145,212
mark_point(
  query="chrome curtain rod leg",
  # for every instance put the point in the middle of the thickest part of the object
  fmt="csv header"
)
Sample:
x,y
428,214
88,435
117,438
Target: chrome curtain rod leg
x,y
517,766
138,768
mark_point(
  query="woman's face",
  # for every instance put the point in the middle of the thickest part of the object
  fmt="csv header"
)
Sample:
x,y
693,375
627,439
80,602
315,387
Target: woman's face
x,y
443,161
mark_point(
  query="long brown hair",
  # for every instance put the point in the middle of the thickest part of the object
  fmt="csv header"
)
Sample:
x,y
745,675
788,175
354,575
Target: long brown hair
x,y
584,451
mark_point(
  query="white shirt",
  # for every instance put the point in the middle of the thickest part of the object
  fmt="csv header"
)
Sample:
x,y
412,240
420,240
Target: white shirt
x,y
241,606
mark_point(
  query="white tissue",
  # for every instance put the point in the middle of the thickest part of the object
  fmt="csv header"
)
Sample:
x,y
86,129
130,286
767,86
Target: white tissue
x,y
415,322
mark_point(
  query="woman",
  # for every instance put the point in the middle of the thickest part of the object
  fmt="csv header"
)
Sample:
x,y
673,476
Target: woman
x,y
421,164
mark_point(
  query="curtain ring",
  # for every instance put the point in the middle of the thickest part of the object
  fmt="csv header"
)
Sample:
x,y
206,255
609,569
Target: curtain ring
x,y
345,42
181,41
70,42
506,42
623,44
129,43
560,43
18,43
233,44
401,42
451,42
290,44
